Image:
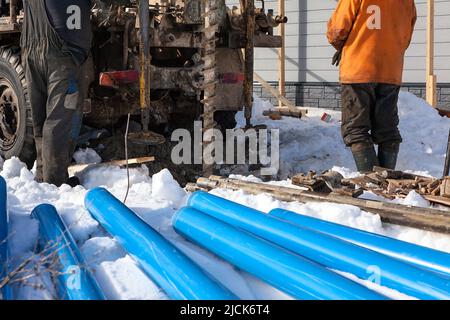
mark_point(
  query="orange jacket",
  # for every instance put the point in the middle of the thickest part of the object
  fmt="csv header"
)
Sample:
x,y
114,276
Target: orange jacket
x,y
373,36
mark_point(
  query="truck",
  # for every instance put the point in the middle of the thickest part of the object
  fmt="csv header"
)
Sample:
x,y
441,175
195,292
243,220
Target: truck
x,y
161,63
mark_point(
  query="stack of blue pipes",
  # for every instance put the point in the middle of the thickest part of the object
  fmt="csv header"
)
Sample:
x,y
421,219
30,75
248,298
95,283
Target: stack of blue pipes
x,y
307,257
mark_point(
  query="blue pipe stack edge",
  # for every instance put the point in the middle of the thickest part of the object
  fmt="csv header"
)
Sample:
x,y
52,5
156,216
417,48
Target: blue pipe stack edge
x,y
299,254
74,280
5,292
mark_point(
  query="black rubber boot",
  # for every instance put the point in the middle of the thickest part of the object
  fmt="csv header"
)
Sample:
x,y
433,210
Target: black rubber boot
x,y
388,154
73,181
365,157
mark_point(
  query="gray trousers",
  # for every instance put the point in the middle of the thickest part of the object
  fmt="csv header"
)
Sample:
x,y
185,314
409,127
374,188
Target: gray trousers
x,y
56,95
370,113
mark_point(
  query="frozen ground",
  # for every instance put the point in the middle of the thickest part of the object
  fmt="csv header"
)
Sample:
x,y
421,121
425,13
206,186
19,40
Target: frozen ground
x,y
305,144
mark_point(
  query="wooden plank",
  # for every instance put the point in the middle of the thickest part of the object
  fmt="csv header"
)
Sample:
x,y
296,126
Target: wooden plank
x,y
79,168
445,188
438,200
9,28
276,114
430,76
282,53
277,95
432,90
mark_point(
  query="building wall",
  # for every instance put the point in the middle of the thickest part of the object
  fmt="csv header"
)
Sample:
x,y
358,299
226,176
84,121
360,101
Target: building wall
x,y
328,95
308,54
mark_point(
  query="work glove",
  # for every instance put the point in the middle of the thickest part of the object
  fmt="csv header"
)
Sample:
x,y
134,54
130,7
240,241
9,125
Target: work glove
x,y
337,58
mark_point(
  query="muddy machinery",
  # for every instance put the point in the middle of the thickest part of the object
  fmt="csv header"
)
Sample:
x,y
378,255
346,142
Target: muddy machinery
x,y
166,63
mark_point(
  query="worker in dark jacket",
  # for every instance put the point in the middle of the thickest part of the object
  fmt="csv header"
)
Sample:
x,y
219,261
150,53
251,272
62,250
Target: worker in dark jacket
x,y
371,37
56,41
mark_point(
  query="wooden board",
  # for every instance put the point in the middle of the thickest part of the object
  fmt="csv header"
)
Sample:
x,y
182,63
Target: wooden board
x,y
438,200
277,95
79,168
282,53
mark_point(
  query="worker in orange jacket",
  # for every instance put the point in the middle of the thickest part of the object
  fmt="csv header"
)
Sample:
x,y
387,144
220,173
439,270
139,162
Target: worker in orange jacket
x,y
371,37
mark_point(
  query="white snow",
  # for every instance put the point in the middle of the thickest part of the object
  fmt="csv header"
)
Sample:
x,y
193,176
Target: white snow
x,y
166,188
86,156
305,145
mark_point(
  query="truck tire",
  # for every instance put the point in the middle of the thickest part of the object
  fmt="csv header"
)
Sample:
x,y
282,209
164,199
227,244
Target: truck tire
x,y
16,128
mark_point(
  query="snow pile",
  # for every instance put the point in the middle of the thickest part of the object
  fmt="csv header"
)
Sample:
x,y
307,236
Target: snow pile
x,y
86,156
12,168
414,199
425,135
165,187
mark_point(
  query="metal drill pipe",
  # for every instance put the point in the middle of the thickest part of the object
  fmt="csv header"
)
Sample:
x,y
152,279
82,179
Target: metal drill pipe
x,y
249,59
447,158
145,60
13,11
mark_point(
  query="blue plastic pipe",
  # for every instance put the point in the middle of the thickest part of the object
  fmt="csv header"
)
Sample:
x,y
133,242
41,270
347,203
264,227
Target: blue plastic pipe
x,y
327,250
423,257
290,273
4,222
171,269
75,282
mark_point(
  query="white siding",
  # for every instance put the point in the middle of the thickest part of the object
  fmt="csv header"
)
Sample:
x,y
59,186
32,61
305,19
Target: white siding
x,y
309,55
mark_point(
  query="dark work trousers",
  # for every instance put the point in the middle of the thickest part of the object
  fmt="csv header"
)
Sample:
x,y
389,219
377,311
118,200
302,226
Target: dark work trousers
x,y
55,92
370,113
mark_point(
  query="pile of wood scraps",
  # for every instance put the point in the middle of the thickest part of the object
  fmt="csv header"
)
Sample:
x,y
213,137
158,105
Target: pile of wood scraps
x,y
397,184
326,183
383,182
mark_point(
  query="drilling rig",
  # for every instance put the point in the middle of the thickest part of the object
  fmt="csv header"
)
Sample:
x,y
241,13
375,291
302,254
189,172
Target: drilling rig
x,y
165,63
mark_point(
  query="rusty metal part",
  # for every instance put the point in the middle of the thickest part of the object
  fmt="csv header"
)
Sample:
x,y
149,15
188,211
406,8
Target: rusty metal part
x,y
176,39
13,11
188,79
126,42
162,108
115,79
192,13
210,77
145,62
9,116
147,138
249,60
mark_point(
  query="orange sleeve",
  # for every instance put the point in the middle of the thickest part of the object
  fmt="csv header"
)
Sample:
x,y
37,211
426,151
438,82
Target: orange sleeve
x,y
341,22
413,21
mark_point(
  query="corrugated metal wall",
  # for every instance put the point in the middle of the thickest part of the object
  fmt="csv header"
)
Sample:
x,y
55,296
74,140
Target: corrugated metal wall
x,y
309,55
